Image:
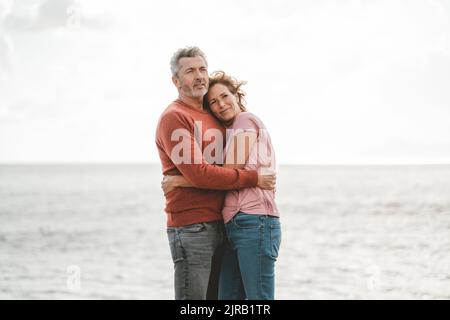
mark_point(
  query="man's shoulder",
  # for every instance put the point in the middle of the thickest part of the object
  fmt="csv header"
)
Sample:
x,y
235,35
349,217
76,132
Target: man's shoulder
x,y
174,116
173,107
174,110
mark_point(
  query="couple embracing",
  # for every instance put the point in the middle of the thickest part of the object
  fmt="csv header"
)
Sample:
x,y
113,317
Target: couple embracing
x,y
219,182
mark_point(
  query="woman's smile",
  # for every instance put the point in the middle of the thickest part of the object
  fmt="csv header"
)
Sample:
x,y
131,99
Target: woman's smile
x,y
225,111
223,103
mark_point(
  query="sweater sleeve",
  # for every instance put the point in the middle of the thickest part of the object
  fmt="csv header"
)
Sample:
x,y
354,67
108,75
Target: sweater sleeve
x,y
178,141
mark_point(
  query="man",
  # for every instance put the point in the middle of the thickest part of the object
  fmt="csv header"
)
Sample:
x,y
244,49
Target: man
x,y
194,220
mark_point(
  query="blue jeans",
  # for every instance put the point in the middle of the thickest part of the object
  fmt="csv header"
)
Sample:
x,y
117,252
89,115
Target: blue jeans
x,y
197,251
248,265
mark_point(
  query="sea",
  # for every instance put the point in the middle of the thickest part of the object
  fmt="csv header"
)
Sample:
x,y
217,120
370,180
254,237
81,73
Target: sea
x,y
83,231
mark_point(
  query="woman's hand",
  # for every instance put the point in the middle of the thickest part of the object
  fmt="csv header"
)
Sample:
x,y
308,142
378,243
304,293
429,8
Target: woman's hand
x,y
171,182
168,184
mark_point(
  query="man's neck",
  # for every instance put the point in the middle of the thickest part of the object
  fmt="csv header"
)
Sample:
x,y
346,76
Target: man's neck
x,y
196,103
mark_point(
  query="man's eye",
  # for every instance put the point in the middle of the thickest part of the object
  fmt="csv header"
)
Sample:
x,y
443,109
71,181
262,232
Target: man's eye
x,y
212,102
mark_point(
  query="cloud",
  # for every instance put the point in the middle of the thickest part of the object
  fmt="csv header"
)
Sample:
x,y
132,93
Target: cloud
x,y
40,15
6,54
55,13
5,8
6,45
346,76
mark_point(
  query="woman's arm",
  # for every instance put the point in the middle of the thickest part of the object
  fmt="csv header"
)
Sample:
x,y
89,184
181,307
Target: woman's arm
x,y
239,150
171,182
237,155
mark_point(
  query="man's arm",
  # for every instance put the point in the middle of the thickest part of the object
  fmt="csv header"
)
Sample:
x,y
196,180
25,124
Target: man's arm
x,y
201,174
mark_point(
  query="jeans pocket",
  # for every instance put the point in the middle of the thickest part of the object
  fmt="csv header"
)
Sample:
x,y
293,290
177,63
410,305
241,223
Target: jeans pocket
x,y
176,248
193,228
246,221
275,239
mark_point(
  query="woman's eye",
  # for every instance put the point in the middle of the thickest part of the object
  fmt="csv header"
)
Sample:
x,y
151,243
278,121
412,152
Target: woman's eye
x,y
212,102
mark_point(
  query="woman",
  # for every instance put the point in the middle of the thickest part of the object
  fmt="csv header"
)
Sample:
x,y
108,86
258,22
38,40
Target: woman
x,y
250,215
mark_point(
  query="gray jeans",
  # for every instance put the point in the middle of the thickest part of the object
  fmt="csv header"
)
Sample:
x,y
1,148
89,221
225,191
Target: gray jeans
x,y
197,251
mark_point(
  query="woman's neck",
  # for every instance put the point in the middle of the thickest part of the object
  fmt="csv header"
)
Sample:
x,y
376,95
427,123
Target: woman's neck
x,y
229,123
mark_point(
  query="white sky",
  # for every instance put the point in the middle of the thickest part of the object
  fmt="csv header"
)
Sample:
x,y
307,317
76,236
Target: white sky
x,y
334,81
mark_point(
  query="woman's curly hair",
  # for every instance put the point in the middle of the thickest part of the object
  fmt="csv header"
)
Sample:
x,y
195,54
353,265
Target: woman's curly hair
x,y
220,77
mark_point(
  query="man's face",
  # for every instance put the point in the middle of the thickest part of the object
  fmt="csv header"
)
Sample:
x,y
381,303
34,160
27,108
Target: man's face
x,y
192,77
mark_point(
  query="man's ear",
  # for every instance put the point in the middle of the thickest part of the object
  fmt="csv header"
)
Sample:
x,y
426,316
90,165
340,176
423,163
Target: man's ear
x,y
176,81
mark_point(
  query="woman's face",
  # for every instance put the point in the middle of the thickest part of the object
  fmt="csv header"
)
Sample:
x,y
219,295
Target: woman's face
x,y
223,103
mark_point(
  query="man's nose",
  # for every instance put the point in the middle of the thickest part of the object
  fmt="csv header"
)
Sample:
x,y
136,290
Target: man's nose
x,y
198,74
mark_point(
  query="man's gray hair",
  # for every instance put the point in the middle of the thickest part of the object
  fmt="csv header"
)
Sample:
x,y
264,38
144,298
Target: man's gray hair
x,y
188,52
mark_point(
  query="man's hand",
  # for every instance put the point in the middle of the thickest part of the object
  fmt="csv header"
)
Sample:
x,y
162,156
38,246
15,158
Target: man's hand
x,y
267,178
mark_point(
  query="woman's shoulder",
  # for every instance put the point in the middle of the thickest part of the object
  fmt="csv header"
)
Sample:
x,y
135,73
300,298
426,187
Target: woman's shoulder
x,y
246,114
246,119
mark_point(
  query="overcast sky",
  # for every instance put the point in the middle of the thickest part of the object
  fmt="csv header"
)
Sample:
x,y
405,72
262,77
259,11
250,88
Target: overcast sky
x,y
334,81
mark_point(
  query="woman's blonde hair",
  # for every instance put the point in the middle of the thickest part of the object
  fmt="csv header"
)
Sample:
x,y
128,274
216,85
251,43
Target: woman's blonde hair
x,y
220,77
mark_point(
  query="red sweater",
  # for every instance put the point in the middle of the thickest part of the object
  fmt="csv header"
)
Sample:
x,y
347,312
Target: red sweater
x,y
204,203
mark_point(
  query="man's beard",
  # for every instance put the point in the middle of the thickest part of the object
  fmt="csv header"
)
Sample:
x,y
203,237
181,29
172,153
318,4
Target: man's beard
x,y
196,93
199,93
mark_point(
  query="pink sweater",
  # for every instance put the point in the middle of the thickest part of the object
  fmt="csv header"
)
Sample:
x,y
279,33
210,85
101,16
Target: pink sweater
x,y
252,200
